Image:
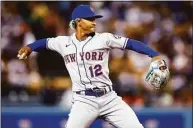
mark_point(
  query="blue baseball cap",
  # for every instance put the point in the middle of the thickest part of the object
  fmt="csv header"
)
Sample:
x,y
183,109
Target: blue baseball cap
x,y
84,11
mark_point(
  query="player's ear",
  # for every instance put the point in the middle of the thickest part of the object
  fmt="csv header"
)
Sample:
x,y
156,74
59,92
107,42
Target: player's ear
x,y
78,21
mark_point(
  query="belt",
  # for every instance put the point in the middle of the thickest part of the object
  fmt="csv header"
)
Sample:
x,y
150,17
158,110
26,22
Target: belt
x,y
98,92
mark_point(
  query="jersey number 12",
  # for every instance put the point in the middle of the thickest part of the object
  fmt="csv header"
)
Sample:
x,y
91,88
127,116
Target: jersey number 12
x,y
95,70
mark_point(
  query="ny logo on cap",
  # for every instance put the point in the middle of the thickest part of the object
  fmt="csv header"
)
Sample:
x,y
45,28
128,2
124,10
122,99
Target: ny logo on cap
x,y
91,9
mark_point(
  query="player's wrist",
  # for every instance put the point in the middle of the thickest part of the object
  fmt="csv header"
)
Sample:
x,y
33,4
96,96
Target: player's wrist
x,y
29,49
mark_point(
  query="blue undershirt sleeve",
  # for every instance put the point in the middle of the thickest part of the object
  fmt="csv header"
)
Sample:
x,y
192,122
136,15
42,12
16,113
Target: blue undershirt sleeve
x,y
38,45
140,47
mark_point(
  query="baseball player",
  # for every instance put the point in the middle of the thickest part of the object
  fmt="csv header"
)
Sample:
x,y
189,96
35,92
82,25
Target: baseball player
x,y
86,55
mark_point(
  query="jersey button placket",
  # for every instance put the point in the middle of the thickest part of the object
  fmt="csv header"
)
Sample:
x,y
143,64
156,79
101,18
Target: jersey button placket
x,y
79,61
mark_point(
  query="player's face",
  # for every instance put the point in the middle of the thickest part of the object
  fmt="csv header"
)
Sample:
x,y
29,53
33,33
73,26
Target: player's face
x,y
88,25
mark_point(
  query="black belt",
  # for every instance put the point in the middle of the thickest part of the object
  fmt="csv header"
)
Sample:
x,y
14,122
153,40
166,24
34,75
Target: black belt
x,y
98,92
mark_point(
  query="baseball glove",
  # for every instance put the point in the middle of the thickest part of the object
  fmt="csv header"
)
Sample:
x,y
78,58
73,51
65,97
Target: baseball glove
x,y
158,74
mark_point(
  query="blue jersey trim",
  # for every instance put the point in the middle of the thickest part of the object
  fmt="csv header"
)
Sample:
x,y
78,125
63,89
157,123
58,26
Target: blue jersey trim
x,y
38,45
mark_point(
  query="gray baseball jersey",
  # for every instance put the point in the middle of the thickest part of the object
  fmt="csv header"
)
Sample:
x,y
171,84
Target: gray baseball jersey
x,y
87,60
87,64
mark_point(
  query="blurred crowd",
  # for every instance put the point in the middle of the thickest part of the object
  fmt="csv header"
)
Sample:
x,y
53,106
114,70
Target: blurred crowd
x,y
43,78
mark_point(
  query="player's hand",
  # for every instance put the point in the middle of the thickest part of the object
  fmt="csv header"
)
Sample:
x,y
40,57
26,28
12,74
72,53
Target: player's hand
x,y
24,52
158,73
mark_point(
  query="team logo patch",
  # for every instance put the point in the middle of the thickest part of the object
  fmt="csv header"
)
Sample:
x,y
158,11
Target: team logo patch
x,y
117,37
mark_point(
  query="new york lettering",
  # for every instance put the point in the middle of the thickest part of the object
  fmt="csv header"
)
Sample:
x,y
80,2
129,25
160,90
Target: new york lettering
x,y
84,56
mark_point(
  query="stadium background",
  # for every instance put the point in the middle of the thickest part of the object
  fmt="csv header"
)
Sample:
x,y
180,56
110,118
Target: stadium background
x,y
36,92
